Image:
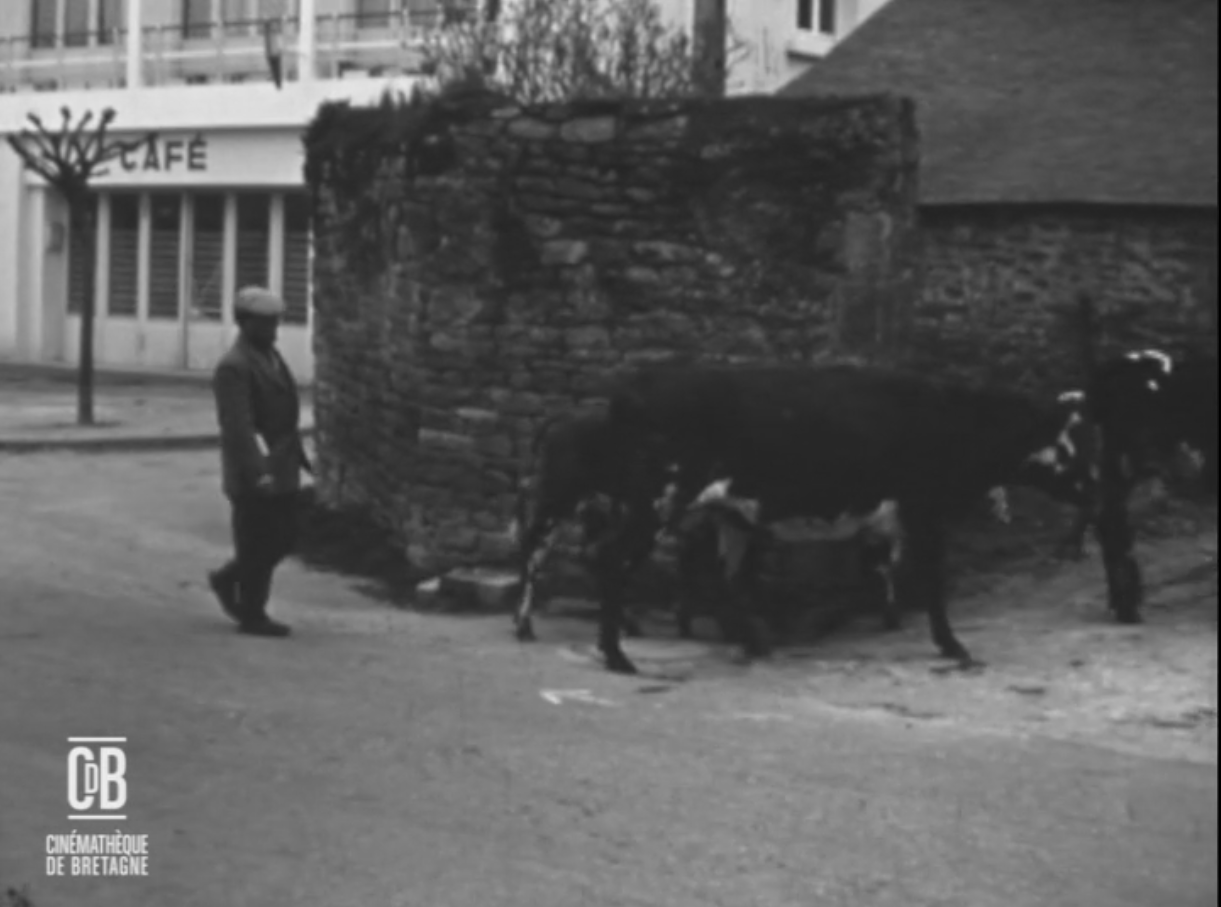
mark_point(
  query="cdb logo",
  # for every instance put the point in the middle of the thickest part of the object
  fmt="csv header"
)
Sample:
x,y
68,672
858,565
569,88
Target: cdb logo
x,y
97,783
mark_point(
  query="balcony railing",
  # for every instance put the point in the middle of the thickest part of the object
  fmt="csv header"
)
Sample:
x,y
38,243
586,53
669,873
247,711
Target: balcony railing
x,y
345,45
86,60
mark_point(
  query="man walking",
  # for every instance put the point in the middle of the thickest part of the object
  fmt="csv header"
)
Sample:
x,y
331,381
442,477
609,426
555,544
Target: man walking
x,y
258,408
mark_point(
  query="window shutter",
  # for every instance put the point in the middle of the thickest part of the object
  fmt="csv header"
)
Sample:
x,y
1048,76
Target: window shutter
x,y
208,256
296,258
124,253
163,260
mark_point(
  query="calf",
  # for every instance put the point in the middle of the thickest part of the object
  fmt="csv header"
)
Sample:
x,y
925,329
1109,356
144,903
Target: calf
x,y
738,540
827,442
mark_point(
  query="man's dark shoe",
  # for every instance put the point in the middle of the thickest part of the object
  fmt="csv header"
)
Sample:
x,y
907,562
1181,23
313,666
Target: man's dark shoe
x,y
225,591
264,626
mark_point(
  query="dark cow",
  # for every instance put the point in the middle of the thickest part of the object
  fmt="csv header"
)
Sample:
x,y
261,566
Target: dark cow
x,y
1185,395
828,442
1147,411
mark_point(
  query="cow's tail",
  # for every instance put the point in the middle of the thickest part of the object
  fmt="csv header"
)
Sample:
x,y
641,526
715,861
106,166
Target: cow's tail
x,y
522,480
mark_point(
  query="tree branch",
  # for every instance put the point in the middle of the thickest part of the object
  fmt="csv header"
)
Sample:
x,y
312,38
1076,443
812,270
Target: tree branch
x,y
31,161
74,136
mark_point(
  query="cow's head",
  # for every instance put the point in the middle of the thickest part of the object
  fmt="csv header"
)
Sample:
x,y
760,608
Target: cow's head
x,y
1130,398
687,491
1066,469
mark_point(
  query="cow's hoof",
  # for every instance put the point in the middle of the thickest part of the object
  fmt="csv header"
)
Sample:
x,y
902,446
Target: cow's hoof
x,y
685,632
745,655
960,665
956,652
525,632
1129,617
739,655
631,629
618,663
892,623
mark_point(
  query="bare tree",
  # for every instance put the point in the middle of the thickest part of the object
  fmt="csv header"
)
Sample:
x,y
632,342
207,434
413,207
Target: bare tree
x,y
540,51
709,47
69,158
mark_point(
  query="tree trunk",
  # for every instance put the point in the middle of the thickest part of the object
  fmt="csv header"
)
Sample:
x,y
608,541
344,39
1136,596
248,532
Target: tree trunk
x,y
710,29
84,243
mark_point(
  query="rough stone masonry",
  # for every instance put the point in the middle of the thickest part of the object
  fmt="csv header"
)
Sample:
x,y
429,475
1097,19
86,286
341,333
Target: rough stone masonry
x,y
553,246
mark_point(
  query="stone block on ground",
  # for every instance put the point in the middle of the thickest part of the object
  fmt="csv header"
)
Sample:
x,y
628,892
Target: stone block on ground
x,y
481,588
428,593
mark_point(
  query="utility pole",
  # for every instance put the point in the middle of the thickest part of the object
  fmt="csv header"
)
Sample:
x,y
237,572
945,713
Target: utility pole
x,y
710,36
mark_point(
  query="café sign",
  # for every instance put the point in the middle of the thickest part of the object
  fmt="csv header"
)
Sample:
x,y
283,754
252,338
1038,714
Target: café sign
x,y
222,158
167,155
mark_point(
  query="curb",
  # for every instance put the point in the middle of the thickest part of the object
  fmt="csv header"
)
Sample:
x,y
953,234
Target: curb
x,y
122,443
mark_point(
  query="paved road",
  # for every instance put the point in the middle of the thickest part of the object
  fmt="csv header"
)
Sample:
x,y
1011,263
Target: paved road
x,y
382,758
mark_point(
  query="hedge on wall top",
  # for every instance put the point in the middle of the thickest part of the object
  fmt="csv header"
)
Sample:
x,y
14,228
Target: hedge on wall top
x,y
350,150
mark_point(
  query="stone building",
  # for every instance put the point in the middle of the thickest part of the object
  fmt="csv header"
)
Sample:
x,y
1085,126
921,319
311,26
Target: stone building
x,y
1063,144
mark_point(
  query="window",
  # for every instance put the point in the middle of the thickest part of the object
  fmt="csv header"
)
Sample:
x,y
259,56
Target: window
x,y
253,239
124,253
208,256
74,23
237,17
296,258
817,15
111,18
197,19
163,262
78,269
373,13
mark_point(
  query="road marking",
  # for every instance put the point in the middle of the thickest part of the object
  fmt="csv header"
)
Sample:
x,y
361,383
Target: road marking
x,y
556,697
758,716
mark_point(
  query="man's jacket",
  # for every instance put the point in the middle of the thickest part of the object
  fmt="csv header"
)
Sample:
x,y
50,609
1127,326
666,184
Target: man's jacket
x,y
258,408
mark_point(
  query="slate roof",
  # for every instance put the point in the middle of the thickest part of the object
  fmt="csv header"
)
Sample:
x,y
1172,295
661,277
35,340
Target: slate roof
x,y
1109,101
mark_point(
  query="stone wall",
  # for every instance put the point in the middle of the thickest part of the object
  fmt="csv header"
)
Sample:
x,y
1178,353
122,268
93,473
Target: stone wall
x,y
999,282
551,247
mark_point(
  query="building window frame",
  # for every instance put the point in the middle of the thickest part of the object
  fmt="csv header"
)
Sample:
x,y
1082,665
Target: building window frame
x,y
99,31
817,26
820,17
231,18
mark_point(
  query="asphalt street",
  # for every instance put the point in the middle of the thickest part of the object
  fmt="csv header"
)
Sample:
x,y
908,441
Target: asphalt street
x,y
380,758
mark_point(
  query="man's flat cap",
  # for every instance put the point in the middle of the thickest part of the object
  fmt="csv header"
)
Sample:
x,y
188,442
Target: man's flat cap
x,y
258,301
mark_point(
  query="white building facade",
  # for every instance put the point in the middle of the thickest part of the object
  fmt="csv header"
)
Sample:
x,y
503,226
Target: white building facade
x,y
777,39
218,201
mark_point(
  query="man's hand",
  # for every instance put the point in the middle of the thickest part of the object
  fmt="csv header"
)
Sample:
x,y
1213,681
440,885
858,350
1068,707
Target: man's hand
x,y
265,484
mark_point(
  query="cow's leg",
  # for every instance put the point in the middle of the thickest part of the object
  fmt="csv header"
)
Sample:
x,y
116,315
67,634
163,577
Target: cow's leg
x,y
925,558
1072,546
594,539
639,546
888,569
611,580
537,545
742,551
611,562
693,550
1113,528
